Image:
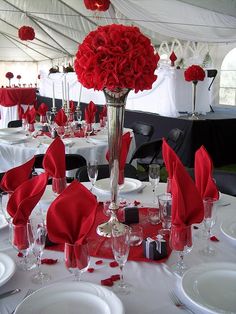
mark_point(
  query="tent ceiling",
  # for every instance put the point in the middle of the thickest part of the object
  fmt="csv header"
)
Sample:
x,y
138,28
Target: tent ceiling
x,y
60,25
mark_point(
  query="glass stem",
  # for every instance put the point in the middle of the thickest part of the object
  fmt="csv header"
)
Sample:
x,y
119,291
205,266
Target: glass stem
x,y
181,260
121,274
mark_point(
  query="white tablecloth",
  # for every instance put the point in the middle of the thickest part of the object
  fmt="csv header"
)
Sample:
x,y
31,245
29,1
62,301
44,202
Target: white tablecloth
x,y
151,281
170,93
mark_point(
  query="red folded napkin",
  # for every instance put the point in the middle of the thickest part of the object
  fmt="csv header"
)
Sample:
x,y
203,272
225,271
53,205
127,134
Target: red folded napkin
x,y
71,215
24,114
169,157
72,106
42,109
22,202
203,168
103,113
16,176
20,112
126,140
90,112
54,161
60,118
30,115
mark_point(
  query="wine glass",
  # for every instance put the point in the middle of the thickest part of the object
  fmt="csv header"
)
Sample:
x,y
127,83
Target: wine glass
x,y
92,169
154,178
210,212
165,203
120,240
181,242
4,196
76,258
37,232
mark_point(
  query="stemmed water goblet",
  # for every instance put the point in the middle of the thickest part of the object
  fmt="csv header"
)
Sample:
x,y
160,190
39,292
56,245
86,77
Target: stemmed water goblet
x,y
37,232
154,178
120,240
210,213
165,203
181,242
76,258
92,169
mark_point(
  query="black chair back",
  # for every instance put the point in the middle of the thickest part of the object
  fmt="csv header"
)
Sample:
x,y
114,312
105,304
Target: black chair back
x,y
142,131
14,124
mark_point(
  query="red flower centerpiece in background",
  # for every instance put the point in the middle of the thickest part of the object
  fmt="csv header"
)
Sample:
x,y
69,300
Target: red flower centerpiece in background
x,y
9,76
115,58
19,78
97,5
173,58
26,33
193,74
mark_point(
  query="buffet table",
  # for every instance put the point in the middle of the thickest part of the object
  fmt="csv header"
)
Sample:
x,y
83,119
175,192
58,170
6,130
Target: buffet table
x,y
170,93
10,99
152,282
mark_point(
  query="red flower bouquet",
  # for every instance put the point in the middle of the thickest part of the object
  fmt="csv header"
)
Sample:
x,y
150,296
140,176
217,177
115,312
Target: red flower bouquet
x,y
9,75
114,57
18,77
194,73
26,33
97,5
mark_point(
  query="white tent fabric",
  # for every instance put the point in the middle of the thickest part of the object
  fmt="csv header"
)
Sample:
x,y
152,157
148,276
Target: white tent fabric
x,y
60,25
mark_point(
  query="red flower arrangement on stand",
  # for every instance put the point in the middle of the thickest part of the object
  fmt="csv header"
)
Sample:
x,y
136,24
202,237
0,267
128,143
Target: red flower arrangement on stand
x,y
19,78
26,33
9,76
97,5
193,74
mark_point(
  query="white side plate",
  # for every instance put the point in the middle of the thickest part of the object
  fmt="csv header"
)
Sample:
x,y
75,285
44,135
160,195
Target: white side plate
x,y
7,268
228,227
130,185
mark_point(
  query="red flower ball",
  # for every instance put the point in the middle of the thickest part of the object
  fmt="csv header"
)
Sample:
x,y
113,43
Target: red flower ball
x,y
26,33
9,75
18,77
194,73
115,57
97,5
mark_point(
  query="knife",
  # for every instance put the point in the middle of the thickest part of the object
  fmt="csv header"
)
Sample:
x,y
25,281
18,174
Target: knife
x,y
8,293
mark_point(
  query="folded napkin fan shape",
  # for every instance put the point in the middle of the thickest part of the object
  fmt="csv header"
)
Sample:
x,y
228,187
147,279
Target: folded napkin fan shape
x,y
30,115
72,106
90,112
42,109
71,215
16,176
203,168
60,118
54,161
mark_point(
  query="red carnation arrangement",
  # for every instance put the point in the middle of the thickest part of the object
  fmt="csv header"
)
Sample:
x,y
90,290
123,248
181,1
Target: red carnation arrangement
x,y
9,75
18,77
114,57
26,33
194,73
97,5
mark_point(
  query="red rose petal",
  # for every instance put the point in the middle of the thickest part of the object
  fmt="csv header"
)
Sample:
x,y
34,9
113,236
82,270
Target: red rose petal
x,y
20,254
107,282
99,262
90,270
49,261
115,277
136,203
113,264
214,239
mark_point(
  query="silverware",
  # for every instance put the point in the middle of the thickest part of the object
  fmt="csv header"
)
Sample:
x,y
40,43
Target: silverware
x,y
8,293
225,204
178,303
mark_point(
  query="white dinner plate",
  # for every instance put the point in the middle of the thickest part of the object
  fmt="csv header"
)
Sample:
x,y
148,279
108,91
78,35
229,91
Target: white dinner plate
x,y
3,222
7,268
71,298
212,286
9,131
228,227
130,185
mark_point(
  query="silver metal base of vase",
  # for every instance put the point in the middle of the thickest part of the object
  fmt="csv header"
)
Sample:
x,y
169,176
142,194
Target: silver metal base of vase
x,y
105,229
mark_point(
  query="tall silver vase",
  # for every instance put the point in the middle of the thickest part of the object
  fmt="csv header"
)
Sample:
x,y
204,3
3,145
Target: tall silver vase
x,y
115,101
194,115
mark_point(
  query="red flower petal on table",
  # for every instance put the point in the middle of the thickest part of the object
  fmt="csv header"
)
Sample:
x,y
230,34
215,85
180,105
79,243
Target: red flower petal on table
x,y
49,261
107,282
136,203
214,239
90,270
113,264
115,277
99,262
20,254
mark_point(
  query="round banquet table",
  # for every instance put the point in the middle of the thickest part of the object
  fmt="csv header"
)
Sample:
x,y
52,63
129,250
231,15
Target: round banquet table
x,y
151,282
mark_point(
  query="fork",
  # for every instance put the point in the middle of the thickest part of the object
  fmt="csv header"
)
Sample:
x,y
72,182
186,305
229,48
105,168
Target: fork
x,y
178,303
29,292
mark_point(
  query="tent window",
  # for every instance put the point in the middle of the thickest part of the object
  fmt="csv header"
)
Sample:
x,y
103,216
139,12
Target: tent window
x,y
228,79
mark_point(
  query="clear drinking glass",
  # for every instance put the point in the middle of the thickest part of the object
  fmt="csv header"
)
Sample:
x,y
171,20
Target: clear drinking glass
x,y
210,215
181,242
165,203
4,197
154,178
92,169
76,259
37,232
120,239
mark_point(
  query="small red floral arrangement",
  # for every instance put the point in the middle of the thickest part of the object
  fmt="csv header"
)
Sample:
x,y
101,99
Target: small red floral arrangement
x,y
114,57
18,77
97,5
26,33
9,75
194,73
